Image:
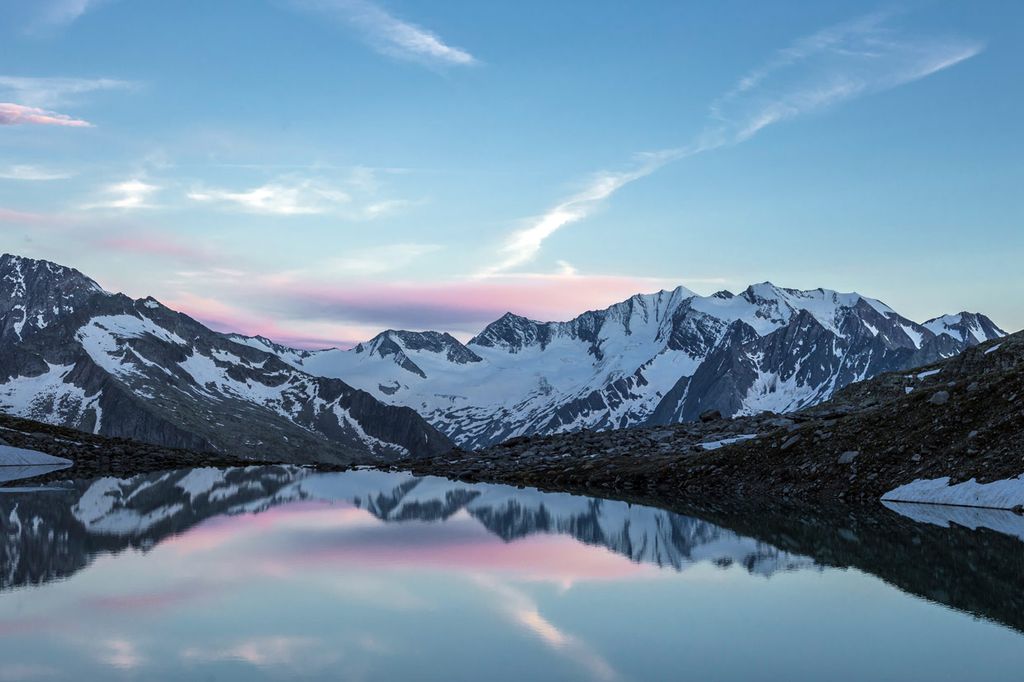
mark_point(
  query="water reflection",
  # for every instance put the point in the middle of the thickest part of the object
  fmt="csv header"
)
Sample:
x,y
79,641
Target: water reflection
x,y
285,573
46,540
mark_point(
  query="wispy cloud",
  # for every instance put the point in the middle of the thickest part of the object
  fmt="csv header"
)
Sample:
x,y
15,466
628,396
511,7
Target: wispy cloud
x,y
56,91
129,194
50,14
155,245
15,217
354,196
17,114
522,245
32,173
379,259
304,197
389,34
824,69
819,71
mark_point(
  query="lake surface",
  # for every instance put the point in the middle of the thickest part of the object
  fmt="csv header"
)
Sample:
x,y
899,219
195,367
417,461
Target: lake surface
x,y
287,574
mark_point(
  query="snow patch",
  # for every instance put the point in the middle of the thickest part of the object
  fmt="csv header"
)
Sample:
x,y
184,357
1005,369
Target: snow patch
x,y
715,444
1003,494
10,456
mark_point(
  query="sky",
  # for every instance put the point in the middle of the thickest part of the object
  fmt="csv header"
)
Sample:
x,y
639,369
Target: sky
x,y
319,170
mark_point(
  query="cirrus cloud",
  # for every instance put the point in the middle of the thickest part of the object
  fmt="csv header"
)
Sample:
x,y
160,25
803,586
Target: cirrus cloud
x,y
390,35
46,92
306,197
32,173
128,194
837,64
12,114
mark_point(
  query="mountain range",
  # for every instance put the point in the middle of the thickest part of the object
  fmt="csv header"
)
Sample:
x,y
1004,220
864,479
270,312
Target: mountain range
x,y
75,355
653,359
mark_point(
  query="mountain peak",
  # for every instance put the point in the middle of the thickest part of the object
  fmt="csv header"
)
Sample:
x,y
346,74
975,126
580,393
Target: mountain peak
x,y
512,332
18,271
400,342
965,326
34,292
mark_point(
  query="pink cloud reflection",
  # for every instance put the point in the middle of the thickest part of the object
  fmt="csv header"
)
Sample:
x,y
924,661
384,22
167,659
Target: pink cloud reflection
x,y
556,558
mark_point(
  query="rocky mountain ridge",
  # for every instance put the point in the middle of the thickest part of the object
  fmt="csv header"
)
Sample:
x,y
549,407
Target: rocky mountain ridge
x,y
653,359
958,421
73,354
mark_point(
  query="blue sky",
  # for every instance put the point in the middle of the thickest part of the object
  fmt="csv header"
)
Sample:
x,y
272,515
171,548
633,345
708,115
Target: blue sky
x,y
317,170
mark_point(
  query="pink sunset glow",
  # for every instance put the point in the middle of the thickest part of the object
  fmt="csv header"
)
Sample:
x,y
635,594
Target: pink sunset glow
x,y
555,297
316,315
17,114
154,245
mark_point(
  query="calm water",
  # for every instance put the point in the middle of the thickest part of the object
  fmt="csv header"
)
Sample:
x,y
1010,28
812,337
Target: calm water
x,y
276,573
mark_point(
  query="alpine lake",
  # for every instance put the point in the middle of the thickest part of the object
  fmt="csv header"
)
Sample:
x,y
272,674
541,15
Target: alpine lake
x,y
286,573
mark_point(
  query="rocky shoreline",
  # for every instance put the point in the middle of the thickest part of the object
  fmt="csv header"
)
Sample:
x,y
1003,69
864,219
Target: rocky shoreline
x,y
95,456
962,418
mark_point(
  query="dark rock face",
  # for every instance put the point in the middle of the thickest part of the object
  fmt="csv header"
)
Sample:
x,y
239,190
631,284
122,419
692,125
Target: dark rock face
x,y
393,345
513,333
74,355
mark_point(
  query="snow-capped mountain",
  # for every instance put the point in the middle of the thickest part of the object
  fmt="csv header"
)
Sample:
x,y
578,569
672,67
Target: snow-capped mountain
x,y
51,535
75,355
652,359
969,328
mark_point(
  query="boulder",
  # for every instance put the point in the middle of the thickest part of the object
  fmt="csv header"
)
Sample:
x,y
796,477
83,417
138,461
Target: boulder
x,y
847,457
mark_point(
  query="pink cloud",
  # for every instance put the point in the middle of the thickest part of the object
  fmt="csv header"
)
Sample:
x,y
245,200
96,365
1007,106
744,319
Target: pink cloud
x,y
154,245
460,303
8,215
226,317
18,114
315,315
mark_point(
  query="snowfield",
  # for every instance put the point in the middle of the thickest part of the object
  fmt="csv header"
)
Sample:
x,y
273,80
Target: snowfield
x,y
1004,494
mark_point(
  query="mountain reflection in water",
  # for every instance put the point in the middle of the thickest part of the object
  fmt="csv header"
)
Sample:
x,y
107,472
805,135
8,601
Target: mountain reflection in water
x,y
290,573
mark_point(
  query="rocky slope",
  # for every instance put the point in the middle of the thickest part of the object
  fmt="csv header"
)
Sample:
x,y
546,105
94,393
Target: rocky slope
x,y
651,360
93,455
961,418
75,355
